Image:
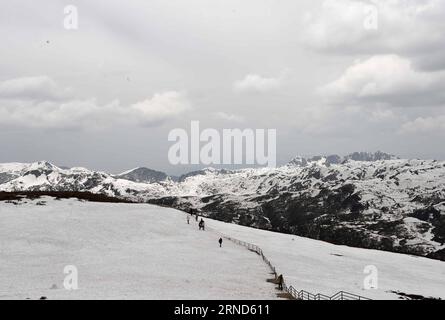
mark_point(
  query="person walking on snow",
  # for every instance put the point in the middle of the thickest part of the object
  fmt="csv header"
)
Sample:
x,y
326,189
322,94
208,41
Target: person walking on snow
x,y
280,282
220,242
188,219
201,225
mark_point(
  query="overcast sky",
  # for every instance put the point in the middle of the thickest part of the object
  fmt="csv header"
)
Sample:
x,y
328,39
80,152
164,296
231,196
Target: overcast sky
x,y
106,95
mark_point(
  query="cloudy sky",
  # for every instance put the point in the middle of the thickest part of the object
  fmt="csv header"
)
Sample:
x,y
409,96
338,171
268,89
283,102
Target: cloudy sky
x,y
107,94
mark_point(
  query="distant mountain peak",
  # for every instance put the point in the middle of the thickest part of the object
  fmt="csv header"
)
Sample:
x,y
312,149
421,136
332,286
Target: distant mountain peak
x,y
143,175
370,156
44,164
300,161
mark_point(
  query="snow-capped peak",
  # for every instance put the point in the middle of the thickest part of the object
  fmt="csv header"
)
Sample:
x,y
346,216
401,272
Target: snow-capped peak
x,y
143,175
300,161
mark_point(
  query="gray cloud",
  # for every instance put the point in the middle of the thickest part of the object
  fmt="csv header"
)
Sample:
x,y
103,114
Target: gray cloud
x,y
405,27
387,80
39,102
139,69
424,125
38,88
254,82
229,117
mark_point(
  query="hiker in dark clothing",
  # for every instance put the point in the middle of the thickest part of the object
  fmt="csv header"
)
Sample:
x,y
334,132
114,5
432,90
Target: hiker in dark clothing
x,y
197,217
201,225
220,242
280,282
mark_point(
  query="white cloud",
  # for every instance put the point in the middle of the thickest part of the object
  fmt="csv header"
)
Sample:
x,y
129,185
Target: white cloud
x,y
406,27
338,23
162,106
424,125
21,106
387,80
32,88
382,114
254,82
379,87
229,117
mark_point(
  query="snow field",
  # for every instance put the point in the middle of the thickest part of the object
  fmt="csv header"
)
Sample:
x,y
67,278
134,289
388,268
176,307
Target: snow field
x,y
121,251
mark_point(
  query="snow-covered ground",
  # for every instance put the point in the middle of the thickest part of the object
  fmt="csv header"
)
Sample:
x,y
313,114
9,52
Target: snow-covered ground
x,y
321,267
138,251
121,251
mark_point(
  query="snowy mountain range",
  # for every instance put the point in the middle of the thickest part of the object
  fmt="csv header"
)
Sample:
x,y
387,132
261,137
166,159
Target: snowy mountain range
x,y
362,200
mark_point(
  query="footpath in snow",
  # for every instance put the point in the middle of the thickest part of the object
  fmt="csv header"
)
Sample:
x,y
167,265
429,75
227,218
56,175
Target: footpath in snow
x,y
321,267
121,251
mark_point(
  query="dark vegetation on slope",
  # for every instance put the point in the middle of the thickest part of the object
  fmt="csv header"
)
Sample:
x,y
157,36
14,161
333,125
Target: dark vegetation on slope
x,y
335,216
93,197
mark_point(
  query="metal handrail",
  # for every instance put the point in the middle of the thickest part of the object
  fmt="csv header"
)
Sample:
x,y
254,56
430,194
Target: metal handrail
x,y
297,294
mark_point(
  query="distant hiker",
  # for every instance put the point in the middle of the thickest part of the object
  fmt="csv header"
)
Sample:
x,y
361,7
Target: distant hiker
x,y
220,242
197,217
280,282
201,225
191,212
188,219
